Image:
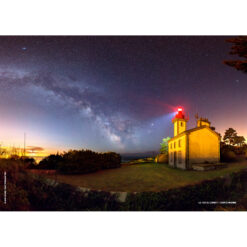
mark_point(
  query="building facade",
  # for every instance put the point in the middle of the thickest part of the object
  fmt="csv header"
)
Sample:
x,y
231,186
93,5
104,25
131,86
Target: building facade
x,y
194,146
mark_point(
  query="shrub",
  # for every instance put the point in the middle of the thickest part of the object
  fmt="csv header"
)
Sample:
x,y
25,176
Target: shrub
x,y
28,192
164,145
188,198
228,156
51,162
30,163
64,197
161,158
238,150
79,161
110,160
75,162
16,197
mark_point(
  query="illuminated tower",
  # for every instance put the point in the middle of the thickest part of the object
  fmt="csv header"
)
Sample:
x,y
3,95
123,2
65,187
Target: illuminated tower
x,y
179,122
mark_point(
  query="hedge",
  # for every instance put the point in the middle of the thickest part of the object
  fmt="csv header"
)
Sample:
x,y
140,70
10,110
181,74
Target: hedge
x,y
80,161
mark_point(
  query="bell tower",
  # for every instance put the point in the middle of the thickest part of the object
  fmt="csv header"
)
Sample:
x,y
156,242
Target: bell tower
x,y
179,122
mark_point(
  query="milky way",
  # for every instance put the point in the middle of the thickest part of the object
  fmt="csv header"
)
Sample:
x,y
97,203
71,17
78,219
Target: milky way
x,y
114,93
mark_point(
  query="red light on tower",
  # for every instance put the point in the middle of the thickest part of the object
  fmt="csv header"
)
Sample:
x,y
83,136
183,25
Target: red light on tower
x,y
180,114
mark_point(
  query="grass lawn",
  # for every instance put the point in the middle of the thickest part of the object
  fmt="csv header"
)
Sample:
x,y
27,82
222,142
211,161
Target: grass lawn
x,y
144,177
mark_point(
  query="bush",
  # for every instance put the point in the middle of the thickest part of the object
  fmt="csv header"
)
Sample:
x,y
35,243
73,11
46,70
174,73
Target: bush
x,y
227,153
80,161
238,150
161,158
51,162
110,160
189,198
27,192
30,163
228,156
76,162
16,197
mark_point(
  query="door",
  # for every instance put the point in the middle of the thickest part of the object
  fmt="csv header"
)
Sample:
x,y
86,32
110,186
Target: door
x,y
175,159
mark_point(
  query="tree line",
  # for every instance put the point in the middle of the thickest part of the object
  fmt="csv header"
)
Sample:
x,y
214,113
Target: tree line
x,y
232,138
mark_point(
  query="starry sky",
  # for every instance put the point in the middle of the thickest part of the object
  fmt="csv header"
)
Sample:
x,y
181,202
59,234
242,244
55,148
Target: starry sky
x,y
114,93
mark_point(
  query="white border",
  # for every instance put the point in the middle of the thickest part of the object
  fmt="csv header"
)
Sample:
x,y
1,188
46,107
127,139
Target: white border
x,y
123,229
191,17
129,17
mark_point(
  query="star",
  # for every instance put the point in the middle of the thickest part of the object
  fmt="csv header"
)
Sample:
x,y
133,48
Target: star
x,y
24,48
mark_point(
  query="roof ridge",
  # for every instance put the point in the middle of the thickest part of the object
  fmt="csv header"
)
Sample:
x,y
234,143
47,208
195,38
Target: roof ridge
x,y
191,130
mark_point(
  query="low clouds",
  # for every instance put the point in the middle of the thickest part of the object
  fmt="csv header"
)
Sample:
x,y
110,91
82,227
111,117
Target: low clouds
x,y
33,149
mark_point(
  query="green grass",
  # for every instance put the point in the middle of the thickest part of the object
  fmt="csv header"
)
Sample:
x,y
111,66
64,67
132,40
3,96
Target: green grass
x,y
144,177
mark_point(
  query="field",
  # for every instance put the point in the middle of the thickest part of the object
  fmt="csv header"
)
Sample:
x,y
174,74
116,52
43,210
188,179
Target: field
x,y
144,177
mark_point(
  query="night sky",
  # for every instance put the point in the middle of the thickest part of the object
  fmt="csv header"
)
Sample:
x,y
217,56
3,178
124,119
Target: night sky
x,y
114,93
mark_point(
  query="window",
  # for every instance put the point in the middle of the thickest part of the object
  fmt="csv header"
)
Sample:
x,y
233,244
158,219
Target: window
x,y
174,144
181,124
171,155
179,143
179,157
171,145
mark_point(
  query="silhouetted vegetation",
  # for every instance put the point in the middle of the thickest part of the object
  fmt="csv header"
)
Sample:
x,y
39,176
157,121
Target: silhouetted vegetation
x,y
239,48
11,172
229,136
29,162
80,161
28,192
85,161
232,146
51,162
227,155
208,195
